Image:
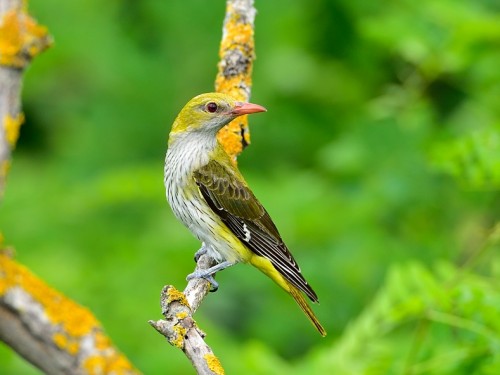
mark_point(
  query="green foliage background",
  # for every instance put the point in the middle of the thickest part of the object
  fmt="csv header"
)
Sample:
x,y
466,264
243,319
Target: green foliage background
x,y
378,158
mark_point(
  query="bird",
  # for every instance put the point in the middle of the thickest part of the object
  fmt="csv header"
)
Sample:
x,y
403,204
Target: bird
x,y
210,196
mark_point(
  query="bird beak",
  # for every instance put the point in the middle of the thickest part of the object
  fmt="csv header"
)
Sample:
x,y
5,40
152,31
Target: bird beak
x,y
246,108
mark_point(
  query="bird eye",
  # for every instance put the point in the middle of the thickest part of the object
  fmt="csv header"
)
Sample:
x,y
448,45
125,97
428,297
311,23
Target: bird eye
x,y
212,107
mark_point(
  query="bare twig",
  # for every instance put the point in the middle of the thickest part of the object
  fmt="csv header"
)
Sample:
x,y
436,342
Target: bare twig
x,y
234,78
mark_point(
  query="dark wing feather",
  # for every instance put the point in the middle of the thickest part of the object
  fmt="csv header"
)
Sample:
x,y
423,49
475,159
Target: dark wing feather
x,y
230,198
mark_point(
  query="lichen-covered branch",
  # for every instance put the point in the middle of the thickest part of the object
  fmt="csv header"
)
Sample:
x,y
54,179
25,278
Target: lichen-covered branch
x,y
21,39
49,330
52,332
234,78
235,69
180,328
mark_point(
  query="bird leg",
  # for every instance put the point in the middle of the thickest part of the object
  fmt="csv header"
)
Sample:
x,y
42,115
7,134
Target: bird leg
x,y
209,273
202,251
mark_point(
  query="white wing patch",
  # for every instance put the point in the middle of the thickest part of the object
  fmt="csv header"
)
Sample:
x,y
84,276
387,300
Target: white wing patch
x,y
248,236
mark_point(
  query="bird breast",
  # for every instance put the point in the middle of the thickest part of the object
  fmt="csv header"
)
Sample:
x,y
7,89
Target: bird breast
x,y
184,156
186,153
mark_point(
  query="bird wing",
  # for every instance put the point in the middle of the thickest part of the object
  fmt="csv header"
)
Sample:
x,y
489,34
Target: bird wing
x,y
229,197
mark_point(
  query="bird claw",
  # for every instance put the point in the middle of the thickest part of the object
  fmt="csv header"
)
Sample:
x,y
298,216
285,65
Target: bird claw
x,y
202,251
208,274
214,285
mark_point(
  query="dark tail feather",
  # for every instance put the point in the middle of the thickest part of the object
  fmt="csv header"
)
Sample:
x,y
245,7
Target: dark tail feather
x,y
299,298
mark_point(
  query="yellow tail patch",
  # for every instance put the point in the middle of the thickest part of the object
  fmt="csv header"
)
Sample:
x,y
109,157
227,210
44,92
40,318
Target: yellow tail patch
x,y
266,266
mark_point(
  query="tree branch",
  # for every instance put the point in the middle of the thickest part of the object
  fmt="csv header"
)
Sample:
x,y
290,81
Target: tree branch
x,y
235,69
234,78
179,327
21,39
52,332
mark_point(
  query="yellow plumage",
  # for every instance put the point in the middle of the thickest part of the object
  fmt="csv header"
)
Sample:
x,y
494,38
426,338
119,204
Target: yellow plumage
x,y
210,196
267,268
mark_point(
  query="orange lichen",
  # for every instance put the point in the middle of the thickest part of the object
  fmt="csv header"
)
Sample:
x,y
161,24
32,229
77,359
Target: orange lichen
x,y
233,85
60,340
102,342
214,364
95,365
116,364
11,126
73,318
57,306
120,365
66,343
182,315
230,136
21,39
238,35
178,340
175,295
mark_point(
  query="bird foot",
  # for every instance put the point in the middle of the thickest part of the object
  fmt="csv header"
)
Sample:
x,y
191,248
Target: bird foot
x,y
214,285
209,273
203,250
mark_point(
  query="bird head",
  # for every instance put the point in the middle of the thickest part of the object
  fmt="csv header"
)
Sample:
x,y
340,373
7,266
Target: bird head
x,y
210,112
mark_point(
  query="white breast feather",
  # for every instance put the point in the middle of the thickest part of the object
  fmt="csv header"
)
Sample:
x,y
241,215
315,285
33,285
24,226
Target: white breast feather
x,y
185,155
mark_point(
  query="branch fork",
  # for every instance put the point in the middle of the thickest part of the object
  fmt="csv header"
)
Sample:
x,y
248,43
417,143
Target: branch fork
x,y
179,327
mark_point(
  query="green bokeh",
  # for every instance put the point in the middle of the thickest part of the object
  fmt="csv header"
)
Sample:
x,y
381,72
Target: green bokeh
x,y
380,151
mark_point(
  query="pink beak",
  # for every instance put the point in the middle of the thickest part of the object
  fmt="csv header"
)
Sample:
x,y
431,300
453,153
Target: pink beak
x,y
247,108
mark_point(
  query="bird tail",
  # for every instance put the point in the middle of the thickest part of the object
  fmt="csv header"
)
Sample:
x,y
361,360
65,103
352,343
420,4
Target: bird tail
x,y
299,298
